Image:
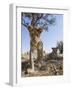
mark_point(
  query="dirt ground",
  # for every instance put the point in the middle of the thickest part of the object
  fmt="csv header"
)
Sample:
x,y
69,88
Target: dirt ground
x,y
52,68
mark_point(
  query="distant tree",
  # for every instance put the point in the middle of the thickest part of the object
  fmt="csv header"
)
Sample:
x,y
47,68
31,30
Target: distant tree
x,y
27,53
60,46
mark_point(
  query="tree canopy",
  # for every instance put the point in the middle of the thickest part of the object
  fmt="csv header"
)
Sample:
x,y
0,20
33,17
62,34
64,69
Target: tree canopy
x,y
40,20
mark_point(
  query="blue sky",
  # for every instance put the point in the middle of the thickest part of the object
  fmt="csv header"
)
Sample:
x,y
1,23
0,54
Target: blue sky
x,y
49,38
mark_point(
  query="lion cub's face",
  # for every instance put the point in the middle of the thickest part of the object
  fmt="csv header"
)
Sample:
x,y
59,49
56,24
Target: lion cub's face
x,y
35,31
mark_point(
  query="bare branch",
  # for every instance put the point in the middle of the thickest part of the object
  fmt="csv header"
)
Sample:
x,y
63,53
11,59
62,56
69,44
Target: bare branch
x,y
24,25
39,18
23,21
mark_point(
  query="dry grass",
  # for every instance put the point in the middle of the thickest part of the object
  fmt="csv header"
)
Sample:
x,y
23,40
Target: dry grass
x,y
52,68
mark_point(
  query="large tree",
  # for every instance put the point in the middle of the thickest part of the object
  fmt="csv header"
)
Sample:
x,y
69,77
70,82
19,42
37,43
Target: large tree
x,y
37,20
35,24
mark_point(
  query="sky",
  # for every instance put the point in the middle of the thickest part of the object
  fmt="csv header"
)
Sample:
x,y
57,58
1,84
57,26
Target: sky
x,y
49,38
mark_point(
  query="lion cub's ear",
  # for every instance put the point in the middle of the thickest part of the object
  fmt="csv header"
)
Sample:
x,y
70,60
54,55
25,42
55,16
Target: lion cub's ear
x,y
40,30
30,28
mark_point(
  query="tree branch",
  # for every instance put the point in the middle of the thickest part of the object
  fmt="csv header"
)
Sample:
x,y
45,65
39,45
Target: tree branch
x,y
32,22
24,25
38,18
